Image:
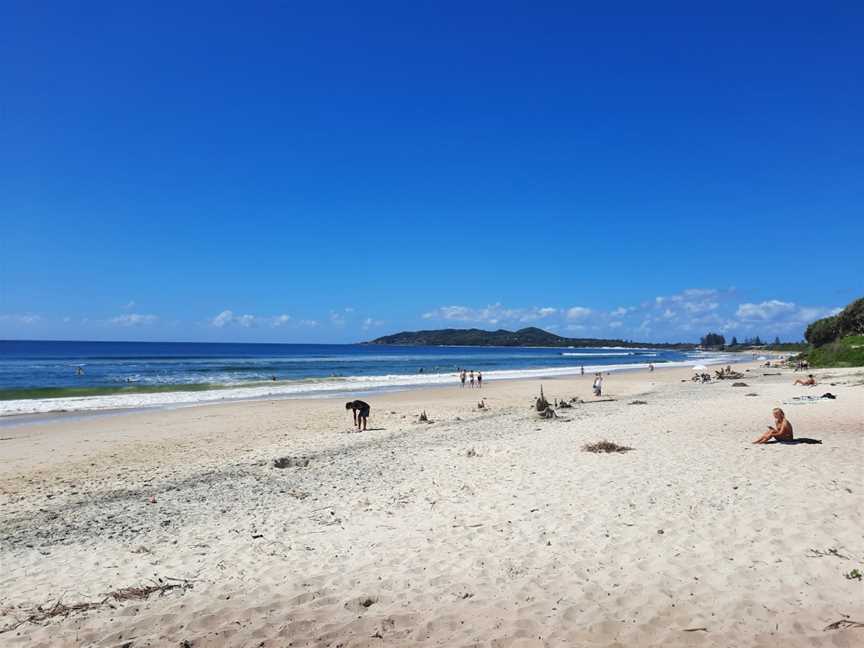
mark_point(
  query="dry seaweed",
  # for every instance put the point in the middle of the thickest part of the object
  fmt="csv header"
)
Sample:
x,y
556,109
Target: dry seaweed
x,y
59,609
605,446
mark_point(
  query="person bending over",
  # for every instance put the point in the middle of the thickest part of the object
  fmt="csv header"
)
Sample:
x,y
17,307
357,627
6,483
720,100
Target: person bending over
x,y
809,381
780,431
360,410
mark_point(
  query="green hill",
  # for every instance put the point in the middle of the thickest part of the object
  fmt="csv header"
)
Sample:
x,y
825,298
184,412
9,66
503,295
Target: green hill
x,y
525,337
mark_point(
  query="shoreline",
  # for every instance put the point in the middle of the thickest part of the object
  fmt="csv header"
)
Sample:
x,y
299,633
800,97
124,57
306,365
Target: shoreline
x,y
306,389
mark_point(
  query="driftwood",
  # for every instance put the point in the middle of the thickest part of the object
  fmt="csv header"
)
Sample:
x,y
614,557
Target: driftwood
x,y
722,374
424,418
548,413
843,623
541,405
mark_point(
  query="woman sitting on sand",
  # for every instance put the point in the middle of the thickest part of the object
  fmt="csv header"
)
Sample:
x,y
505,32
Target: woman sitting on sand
x,y
810,381
780,431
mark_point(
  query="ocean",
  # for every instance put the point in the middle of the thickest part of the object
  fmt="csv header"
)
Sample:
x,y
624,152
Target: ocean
x,y
41,377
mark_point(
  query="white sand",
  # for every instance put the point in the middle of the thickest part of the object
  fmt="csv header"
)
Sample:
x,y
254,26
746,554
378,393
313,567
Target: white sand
x,y
396,537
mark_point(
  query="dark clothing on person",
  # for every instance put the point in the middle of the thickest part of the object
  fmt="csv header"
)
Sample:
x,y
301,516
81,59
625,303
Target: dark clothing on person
x,y
360,408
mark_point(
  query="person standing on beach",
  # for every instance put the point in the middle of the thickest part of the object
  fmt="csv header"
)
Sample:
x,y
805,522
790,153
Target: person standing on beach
x,y
650,366
360,410
479,380
582,369
462,377
598,384
471,378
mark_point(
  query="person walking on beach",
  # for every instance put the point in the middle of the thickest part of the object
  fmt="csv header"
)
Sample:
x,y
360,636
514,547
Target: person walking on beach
x,y
650,366
780,431
582,369
462,377
479,380
471,378
360,410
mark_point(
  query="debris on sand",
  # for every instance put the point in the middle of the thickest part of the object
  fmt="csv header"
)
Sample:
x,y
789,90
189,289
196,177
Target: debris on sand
x,y
751,394
471,453
424,418
739,384
842,624
290,462
40,613
541,405
548,413
831,551
361,603
638,402
605,446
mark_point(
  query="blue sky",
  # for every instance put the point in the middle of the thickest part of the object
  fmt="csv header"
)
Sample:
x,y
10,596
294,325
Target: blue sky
x,y
336,171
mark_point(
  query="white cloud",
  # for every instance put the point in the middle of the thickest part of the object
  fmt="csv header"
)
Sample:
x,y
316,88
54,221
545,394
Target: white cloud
x,y
615,325
578,312
337,319
780,315
133,319
228,318
130,305
688,295
700,306
492,314
765,311
621,311
22,318
371,323
280,320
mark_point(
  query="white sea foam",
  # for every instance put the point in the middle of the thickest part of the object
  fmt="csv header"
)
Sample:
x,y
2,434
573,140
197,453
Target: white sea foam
x,y
311,388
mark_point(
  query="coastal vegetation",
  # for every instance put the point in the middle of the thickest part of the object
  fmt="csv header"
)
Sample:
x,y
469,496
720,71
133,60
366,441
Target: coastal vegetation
x,y
845,352
838,340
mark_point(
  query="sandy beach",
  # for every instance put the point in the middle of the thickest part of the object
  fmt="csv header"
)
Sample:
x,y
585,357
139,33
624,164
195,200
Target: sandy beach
x,y
484,527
